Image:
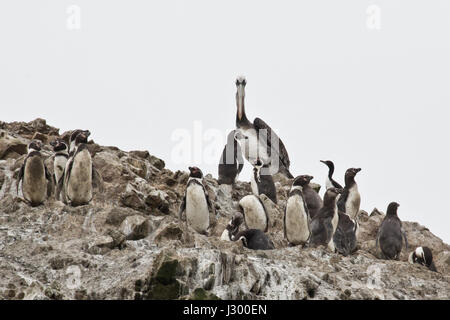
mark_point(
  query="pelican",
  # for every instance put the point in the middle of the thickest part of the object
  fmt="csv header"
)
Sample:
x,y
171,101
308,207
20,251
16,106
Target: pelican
x,y
258,140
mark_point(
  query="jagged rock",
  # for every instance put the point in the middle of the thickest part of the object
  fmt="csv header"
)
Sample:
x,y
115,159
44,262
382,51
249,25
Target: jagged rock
x,y
100,245
11,147
40,136
46,248
136,227
376,212
157,199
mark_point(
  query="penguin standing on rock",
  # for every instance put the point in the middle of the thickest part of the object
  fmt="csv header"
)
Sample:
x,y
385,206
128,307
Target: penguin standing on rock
x,y
350,199
296,217
423,256
330,182
254,239
390,234
196,204
255,213
324,224
312,198
345,236
262,183
79,174
35,176
59,163
231,161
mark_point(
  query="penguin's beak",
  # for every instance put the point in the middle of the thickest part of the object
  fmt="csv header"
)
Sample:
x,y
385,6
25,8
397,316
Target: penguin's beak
x,y
358,170
87,133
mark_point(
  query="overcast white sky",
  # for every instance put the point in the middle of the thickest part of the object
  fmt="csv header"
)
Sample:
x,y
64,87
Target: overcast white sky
x,y
137,72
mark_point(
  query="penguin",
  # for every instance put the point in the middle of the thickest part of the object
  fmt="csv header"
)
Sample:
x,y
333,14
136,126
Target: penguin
x,y
423,256
312,198
255,214
196,204
296,218
390,234
256,138
79,172
231,161
72,138
330,182
35,176
59,162
324,224
345,236
262,183
232,227
350,199
254,239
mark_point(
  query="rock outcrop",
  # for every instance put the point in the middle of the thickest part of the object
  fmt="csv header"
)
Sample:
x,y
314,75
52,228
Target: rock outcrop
x,y
129,244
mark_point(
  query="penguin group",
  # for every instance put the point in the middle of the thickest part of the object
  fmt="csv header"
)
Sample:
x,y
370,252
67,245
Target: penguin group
x,y
309,220
73,172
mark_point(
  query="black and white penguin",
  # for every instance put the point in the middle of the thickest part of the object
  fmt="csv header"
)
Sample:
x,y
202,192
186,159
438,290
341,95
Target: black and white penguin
x,y
34,175
350,199
296,217
59,162
78,174
262,183
196,204
256,138
324,224
330,182
255,214
312,198
72,138
232,227
254,239
390,234
423,256
344,237
231,161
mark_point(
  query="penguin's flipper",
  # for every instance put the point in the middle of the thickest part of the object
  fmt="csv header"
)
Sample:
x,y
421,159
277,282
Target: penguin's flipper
x,y
342,200
97,180
60,190
50,182
182,207
20,176
284,223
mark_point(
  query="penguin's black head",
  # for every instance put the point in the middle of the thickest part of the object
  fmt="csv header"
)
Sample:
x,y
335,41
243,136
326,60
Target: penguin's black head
x,y
351,173
302,180
392,208
82,137
58,145
333,192
195,172
35,145
235,223
329,163
74,134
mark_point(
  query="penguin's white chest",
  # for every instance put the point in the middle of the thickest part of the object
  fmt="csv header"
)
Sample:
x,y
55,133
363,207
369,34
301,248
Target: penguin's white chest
x,y
252,147
197,213
59,166
254,213
296,220
79,184
353,202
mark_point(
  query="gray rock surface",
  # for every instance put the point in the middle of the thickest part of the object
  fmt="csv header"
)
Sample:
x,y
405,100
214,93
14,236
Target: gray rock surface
x,y
129,244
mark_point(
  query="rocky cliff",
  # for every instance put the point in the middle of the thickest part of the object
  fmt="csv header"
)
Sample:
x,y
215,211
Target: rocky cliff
x,y
128,243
